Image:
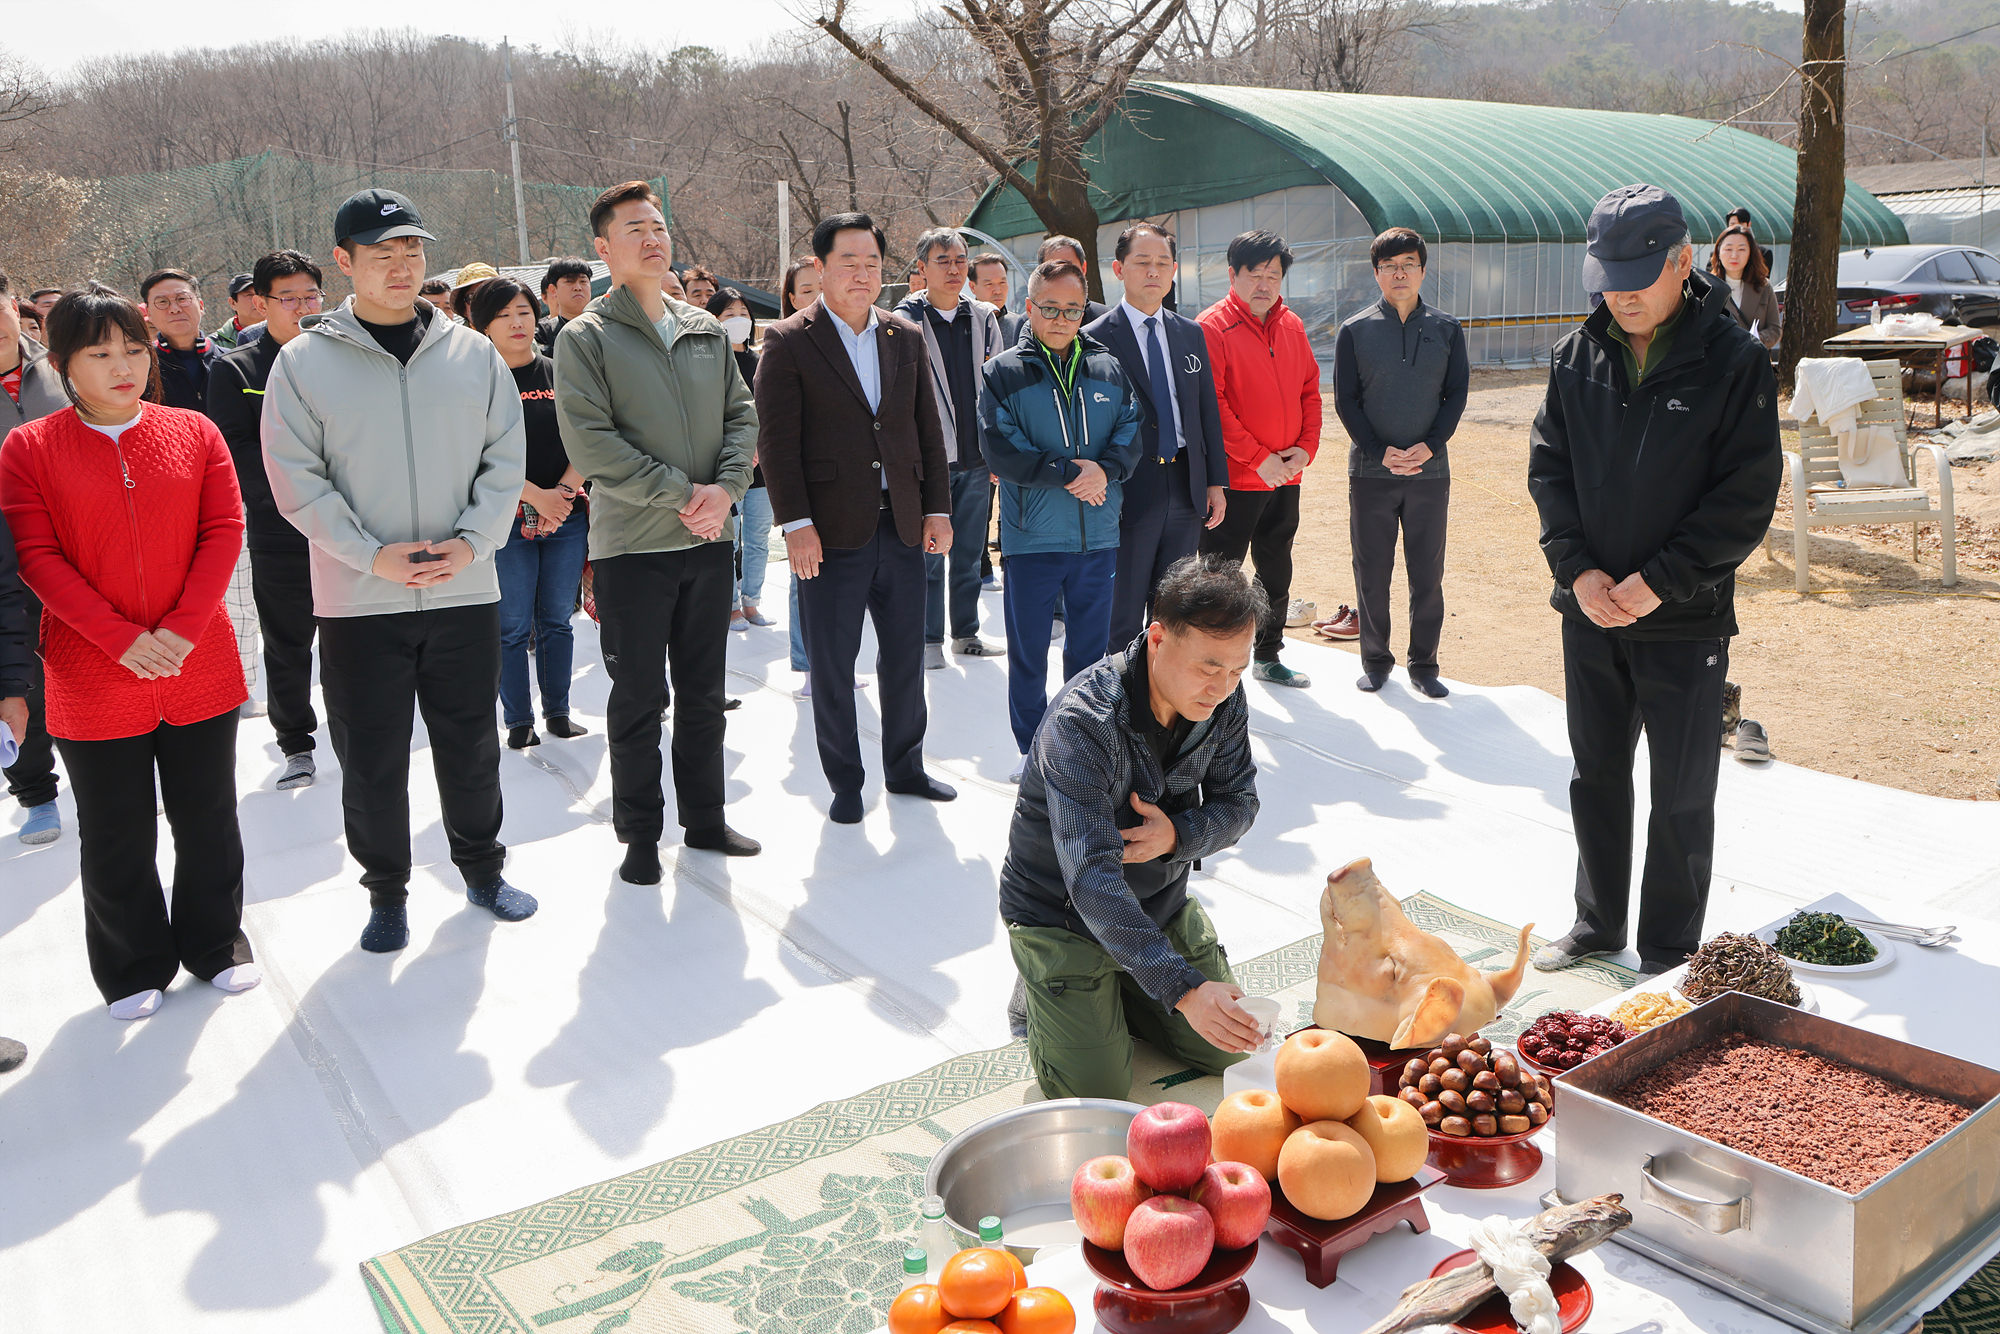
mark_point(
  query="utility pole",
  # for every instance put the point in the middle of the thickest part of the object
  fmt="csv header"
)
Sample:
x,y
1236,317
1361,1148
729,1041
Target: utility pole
x,y
784,230
514,145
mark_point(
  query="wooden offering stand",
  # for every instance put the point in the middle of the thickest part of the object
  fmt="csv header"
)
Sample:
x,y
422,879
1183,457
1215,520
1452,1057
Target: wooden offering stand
x,y
1212,1302
1321,1244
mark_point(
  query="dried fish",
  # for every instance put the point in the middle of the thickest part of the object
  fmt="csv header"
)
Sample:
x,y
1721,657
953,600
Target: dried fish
x,y
1730,962
1561,1232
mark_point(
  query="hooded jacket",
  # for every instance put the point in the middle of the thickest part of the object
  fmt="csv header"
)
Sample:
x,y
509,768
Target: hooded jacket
x,y
362,450
1675,479
1267,383
1032,433
647,422
41,390
1065,864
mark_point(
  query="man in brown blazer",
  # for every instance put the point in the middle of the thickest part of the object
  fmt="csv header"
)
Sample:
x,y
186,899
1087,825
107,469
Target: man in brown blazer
x,y
854,460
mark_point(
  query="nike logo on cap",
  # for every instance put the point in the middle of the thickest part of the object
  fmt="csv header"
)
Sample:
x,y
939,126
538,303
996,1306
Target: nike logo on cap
x,y
387,209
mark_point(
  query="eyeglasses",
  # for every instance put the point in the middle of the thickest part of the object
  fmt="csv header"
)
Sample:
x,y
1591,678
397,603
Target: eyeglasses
x,y
1399,270
1073,314
181,302
309,300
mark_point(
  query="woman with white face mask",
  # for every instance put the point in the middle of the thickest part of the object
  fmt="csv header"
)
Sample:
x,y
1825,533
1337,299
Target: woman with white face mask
x,y
753,533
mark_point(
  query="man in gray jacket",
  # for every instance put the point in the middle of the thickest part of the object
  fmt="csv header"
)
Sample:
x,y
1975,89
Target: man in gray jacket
x,y
393,441
1400,375
655,413
960,336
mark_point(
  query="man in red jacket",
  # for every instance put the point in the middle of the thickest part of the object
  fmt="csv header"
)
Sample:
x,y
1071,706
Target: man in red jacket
x,y
1267,384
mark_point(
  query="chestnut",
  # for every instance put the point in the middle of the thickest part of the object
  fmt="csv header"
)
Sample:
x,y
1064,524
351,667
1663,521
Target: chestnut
x,y
1511,1103
1471,1062
1454,1125
1431,1112
1537,1113
1430,1084
1452,1046
1486,1082
1480,1045
1439,1065
1485,1125
1455,1080
1479,1102
1414,1071
1507,1070
1412,1097
1452,1102
1514,1125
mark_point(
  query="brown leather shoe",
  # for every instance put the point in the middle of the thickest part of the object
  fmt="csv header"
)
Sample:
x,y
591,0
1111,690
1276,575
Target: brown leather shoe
x,y
1344,624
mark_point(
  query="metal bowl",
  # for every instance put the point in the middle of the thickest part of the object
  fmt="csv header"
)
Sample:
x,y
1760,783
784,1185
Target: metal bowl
x,y
1020,1162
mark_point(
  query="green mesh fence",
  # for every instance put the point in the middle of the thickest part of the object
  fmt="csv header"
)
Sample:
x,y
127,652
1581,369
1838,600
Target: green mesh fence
x,y
215,220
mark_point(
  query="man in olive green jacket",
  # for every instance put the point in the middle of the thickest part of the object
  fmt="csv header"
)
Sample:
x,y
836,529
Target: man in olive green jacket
x,y
655,414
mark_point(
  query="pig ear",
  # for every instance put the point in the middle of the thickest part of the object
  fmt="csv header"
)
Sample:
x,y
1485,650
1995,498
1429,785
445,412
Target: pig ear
x,y
1435,1013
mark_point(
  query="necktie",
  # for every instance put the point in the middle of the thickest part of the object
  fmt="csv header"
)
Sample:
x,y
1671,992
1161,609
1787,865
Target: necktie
x,y
1167,437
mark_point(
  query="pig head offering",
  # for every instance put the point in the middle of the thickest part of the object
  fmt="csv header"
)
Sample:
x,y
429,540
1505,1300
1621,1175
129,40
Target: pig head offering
x,y
1382,978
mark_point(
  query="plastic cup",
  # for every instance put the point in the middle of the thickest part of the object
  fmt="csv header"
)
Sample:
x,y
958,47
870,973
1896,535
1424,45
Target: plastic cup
x,y
1265,1011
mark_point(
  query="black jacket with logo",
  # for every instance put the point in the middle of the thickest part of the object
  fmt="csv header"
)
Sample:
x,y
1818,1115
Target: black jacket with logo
x,y
236,406
1675,478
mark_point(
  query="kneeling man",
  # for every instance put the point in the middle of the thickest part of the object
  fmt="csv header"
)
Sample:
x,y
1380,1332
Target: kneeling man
x,y
1140,768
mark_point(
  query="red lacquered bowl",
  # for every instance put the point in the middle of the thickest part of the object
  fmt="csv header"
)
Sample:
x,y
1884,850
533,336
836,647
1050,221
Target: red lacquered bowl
x,y
1487,1162
1212,1302
1572,1293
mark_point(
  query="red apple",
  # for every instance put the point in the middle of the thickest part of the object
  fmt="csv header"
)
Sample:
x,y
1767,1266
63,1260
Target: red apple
x,y
1168,1240
1239,1200
1168,1144
1102,1195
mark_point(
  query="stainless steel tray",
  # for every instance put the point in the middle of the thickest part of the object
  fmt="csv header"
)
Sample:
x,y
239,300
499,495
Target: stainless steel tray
x,y
1804,1251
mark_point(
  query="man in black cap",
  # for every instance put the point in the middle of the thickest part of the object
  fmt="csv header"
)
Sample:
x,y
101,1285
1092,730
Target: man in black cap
x,y
246,322
393,440
1654,462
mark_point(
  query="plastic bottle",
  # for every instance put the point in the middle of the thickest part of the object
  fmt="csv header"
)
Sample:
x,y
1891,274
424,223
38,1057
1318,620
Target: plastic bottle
x,y
989,1233
935,1235
1875,313
915,1270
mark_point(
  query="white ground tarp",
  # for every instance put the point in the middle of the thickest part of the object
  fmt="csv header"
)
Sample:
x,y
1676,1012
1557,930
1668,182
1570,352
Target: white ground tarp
x,y
226,1164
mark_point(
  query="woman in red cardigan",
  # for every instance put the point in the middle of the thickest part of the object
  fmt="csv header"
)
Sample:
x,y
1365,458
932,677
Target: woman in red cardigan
x,y
127,521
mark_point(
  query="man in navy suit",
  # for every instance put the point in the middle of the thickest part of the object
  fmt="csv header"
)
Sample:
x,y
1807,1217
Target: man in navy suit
x,y
1179,486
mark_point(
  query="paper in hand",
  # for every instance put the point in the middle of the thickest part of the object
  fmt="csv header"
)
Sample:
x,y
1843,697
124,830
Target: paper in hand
x,y
10,749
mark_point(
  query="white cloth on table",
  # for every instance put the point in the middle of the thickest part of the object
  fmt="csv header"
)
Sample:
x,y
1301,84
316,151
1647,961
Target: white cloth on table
x,y
1833,389
1520,1271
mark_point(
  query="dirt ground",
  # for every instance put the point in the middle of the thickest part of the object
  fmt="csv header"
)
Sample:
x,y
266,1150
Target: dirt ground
x,y
1880,674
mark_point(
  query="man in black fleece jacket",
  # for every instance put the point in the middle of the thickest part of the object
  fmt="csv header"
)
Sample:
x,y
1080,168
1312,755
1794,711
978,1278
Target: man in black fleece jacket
x,y
1654,462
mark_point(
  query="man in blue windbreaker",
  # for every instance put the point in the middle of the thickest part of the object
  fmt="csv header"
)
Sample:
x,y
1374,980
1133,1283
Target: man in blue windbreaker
x,y
1059,427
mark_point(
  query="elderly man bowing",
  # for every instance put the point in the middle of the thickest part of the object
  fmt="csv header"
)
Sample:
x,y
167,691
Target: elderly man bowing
x,y
1654,462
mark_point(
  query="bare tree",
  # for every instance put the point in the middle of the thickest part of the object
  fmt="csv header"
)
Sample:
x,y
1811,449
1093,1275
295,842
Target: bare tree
x,y
1058,70
1345,46
24,95
1810,276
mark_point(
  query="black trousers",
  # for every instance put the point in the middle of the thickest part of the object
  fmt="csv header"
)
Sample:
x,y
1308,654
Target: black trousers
x,y
282,584
135,941
659,611
376,672
884,581
1261,524
1673,689
1157,525
1376,508
31,778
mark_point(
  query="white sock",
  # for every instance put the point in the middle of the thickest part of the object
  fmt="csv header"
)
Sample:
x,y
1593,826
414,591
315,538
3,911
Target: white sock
x,y
140,1006
242,977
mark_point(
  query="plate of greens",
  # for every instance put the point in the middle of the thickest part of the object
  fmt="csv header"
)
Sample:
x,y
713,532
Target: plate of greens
x,y
1824,942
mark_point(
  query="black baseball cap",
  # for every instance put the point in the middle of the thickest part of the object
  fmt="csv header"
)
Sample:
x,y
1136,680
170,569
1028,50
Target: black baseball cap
x,y
377,215
1626,239
238,284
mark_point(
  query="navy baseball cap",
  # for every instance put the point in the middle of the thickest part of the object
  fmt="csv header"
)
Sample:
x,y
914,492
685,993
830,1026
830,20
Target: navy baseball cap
x,y
1627,237
377,215
239,284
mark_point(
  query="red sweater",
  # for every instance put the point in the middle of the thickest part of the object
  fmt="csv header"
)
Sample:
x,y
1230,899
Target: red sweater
x,y
1267,384
112,558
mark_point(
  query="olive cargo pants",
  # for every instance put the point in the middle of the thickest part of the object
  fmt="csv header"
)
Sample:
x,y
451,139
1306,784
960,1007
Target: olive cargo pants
x,y
1084,1011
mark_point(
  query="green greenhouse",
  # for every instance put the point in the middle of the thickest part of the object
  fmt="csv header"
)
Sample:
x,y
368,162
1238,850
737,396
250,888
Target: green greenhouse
x,y
1500,192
